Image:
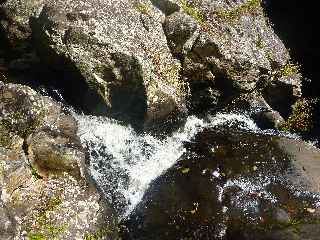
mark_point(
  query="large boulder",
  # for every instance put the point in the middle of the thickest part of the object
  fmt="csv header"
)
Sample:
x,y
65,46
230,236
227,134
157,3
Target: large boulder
x,y
139,60
229,47
233,185
118,49
39,126
45,190
51,207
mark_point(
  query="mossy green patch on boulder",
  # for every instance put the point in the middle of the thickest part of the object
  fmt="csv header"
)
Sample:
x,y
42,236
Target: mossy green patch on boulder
x,y
304,117
248,7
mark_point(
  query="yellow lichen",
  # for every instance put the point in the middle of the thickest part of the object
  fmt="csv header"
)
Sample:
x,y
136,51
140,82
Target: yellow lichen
x,y
249,7
143,8
289,69
192,11
302,117
99,234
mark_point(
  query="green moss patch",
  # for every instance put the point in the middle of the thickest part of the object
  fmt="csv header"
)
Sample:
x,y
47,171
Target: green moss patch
x,y
192,11
99,234
303,117
143,8
248,7
45,228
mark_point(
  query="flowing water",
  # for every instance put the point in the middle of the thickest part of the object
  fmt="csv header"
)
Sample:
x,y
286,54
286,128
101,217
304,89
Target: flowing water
x,y
209,179
123,163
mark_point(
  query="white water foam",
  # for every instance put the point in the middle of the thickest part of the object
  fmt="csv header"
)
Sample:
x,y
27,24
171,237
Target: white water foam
x,y
124,163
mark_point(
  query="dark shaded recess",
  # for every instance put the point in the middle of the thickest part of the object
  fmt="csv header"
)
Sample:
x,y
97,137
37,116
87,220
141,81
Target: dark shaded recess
x,y
62,74
211,95
3,40
66,85
280,97
4,43
59,77
127,95
166,6
296,22
186,205
164,127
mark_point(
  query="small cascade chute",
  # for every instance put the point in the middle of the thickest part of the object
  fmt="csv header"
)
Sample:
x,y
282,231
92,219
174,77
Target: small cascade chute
x,y
123,163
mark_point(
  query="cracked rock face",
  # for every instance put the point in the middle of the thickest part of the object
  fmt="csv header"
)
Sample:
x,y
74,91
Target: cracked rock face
x,y
45,191
228,47
117,47
126,52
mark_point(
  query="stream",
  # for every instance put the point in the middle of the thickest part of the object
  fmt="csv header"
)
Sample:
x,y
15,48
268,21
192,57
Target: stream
x,y
213,178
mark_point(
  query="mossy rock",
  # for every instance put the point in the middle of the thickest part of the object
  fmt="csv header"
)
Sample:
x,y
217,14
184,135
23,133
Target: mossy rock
x,y
304,118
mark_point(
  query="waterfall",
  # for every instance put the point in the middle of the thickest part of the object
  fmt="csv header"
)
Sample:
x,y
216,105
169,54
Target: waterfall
x,y
123,163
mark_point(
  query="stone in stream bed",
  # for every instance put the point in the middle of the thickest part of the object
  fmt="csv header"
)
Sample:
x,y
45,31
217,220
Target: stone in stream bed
x,y
233,185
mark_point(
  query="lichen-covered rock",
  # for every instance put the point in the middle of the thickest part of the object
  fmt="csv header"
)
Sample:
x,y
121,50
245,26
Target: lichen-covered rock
x,y
120,50
45,191
23,111
51,207
139,60
15,33
10,140
230,46
50,135
15,19
51,151
6,224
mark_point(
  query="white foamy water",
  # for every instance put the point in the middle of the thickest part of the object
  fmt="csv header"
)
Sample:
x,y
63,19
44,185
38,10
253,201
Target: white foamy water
x,y
124,163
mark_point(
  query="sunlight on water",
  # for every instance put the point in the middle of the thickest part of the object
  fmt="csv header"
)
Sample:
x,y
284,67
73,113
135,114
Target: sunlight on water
x,y
124,163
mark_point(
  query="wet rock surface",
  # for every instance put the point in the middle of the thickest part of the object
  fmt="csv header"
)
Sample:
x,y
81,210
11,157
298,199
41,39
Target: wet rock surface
x,y
233,185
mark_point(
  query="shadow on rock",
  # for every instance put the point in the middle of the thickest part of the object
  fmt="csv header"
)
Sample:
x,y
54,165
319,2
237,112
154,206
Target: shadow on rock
x,y
232,185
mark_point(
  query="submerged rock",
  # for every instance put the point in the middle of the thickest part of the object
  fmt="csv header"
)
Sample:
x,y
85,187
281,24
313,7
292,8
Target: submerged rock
x,y
233,185
45,190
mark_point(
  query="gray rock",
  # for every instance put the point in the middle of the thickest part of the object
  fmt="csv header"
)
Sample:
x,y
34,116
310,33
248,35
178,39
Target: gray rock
x,y
45,190
124,52
55,206
23,111
51,151
231,46
6,224
119,49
